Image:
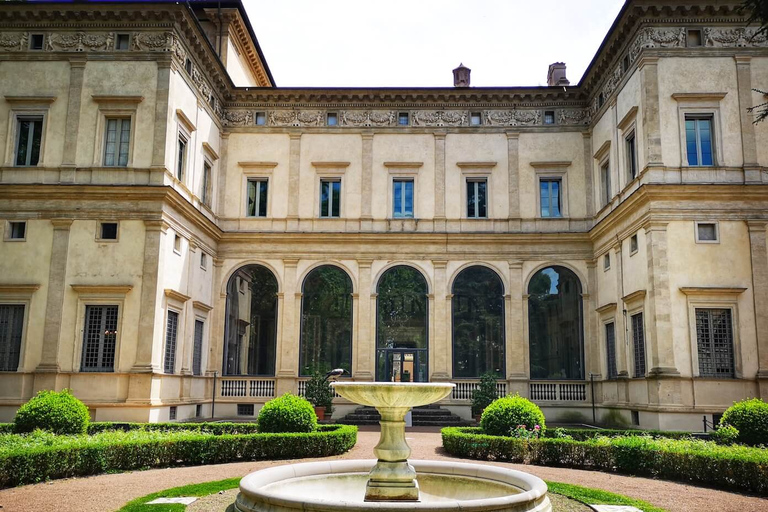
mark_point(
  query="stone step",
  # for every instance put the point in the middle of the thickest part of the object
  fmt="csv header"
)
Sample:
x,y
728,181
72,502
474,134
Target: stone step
x,y
430,415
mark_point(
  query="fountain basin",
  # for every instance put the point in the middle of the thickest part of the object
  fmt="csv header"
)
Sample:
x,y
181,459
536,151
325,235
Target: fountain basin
x,y
393,394
341,485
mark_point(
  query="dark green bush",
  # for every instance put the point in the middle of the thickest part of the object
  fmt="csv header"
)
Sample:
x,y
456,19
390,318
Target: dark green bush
x,y
205,428
704,463
726,434
750,417
71,456
505,414
60,413
584,434
485,393
287,413
319,391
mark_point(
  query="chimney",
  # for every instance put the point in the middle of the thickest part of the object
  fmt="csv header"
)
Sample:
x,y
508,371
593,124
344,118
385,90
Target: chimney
x,y
461,76
556,75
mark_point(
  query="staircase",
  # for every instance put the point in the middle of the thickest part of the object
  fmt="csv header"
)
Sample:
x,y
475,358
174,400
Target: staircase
x,y
426,416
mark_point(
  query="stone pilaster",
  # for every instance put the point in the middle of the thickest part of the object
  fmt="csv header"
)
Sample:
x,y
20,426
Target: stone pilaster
x,y
366,181
217,318
294,172
162,112
620,324
187,341
220,207
365,347
441,346
658,323
513,173
154,231
516,345
759,253
288,341
591,331
649,100
54,307
439,180
752,172
76,72
589,187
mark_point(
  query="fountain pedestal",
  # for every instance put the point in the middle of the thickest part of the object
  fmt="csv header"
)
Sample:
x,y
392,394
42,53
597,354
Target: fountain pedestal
x,y
392,478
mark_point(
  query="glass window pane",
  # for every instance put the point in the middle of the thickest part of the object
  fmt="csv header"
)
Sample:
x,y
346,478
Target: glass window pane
x,y
690,141
37,137
705,136
109,146
23,145
555,203
471,199
11,325
481,199
336,199
263,198
325,197
397,204
125,137
544,193
408,207
251,322
638,340
555,325
326,321
401,309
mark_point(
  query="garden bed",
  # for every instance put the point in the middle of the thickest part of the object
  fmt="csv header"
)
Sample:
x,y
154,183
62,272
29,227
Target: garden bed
x,y
701,462
41,456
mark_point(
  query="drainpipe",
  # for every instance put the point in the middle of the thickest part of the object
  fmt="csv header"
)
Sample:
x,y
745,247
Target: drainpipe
x,y
213,397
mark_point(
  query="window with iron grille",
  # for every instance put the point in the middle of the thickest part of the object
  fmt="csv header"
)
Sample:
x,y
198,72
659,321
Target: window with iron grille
x,y
172,412
198,410
99,339
245,409
610,349
11,326
638,339
171,330
714,337
197,352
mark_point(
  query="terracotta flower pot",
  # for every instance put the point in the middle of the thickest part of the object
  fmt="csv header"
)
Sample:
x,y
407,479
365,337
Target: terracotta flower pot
x,y
320,411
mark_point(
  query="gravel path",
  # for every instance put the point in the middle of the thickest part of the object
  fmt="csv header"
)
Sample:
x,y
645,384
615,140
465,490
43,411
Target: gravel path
x,y
105,493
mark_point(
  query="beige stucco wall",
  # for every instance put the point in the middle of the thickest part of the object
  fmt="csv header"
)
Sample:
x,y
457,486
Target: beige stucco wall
x,y
238,67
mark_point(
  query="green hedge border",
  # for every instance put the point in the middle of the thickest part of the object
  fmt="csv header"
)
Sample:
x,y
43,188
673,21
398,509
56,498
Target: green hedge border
x,y
185,449
216,428
746,470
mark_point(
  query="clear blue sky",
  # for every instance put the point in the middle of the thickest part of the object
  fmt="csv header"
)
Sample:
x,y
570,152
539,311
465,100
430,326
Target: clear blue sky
x,y
347,43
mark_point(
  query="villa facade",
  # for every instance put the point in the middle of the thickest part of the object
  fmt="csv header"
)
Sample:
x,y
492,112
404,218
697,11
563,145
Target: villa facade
x,y
178,230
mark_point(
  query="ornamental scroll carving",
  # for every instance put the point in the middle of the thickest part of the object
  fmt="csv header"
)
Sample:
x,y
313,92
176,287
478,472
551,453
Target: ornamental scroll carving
x,y
367,118
574,117
297,118
238,118
14,42
148,41
439,118
734,38
512,117
80,42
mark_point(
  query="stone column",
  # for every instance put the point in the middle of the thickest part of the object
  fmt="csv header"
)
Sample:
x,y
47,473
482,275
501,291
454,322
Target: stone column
x,y
589,186
366,184
69,159
513,175
154,231
288,343
649,99
366,338
441,346
659,325
516,343
752,172
439,182
161,110
759,253
294,184
54,306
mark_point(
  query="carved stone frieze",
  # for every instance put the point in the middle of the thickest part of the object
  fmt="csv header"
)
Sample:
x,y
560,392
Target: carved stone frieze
x,y
80,41
574,116
238,118
734,38
367,118
439,118
512,117
152,41
14,41
297,118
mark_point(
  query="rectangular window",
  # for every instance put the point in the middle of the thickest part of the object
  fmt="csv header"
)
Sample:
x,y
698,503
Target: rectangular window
x,y
332,119
402,194
625,64
188,66
177,244
99,339
610,349
257,198
633,245
17,230
36,41
28,140
197,352
714,337
203,261
171,330
205,193
551,203
698,140
631,156
638,339
475,119
117,142
549,117
261,118
693,38
108,231
198,410
606,262
605,183
121,41
181,157
172,412
330,198
706,232
402,118
11,327
477,199
245,409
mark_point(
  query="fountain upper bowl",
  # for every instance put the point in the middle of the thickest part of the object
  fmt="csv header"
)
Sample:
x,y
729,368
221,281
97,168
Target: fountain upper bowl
x,y
393,394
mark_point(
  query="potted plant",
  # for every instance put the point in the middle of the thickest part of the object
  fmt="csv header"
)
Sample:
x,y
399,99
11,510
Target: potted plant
x,y
320,394
484,395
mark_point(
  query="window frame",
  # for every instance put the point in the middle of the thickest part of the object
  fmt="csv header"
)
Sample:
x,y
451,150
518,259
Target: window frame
x,y
477,179
402,180
606,189
206,185
9,230
633,352
181,159
631,156
119,119
615,374
179,332
114,107
32,35
732,343
701,105
24,302
200,371
96,295
330,180
257,179
696,225
19,119
552,171
607,261
636,241
117,41
99,231
99,369
550,179
177,238
204,261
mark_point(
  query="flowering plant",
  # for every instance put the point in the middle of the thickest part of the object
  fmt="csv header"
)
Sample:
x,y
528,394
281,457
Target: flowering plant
x,y
522,432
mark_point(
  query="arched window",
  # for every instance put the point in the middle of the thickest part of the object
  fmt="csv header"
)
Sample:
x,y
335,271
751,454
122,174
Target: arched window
x,y
401,326
251,328
478,323
326,321
555,325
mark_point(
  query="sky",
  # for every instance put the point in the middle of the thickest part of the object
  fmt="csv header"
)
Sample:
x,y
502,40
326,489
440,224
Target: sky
x,y
417,43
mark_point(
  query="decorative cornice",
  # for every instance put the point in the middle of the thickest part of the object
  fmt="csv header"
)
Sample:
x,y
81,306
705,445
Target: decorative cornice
x,y
403,165
476,165
18,289
699,96
635,296
603,151
173,294
330,165
628,118
93,289
560,164
606,308
30,100
185,121
211,152
108,98
202,306
257,165
711,290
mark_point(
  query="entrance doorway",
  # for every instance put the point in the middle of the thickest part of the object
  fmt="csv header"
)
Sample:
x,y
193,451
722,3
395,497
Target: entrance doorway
x,y
402,365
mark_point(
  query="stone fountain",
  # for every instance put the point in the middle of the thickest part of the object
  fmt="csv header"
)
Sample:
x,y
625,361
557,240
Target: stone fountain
x,y
391,482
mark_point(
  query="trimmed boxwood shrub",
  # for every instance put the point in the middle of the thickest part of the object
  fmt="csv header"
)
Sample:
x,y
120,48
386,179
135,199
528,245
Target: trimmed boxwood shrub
x,y
57,412
505,414
287,413
70,456
704,463
750,418
584,434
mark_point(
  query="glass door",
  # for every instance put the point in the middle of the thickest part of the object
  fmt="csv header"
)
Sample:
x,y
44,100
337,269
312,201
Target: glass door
x,y
402,365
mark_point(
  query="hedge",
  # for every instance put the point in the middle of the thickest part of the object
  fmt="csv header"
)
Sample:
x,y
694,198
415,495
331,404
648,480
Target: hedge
x,y
735,467
585,434
72,456
207,427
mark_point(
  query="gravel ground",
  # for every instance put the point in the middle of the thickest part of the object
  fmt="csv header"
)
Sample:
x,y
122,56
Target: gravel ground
x,y
104,493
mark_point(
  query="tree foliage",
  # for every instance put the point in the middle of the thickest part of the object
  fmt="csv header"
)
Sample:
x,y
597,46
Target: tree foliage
x,y
758,13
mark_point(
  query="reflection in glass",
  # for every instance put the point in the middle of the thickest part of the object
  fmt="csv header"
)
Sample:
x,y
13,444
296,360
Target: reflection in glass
x,y
251,329
555,325
401,309
478,323
326,321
